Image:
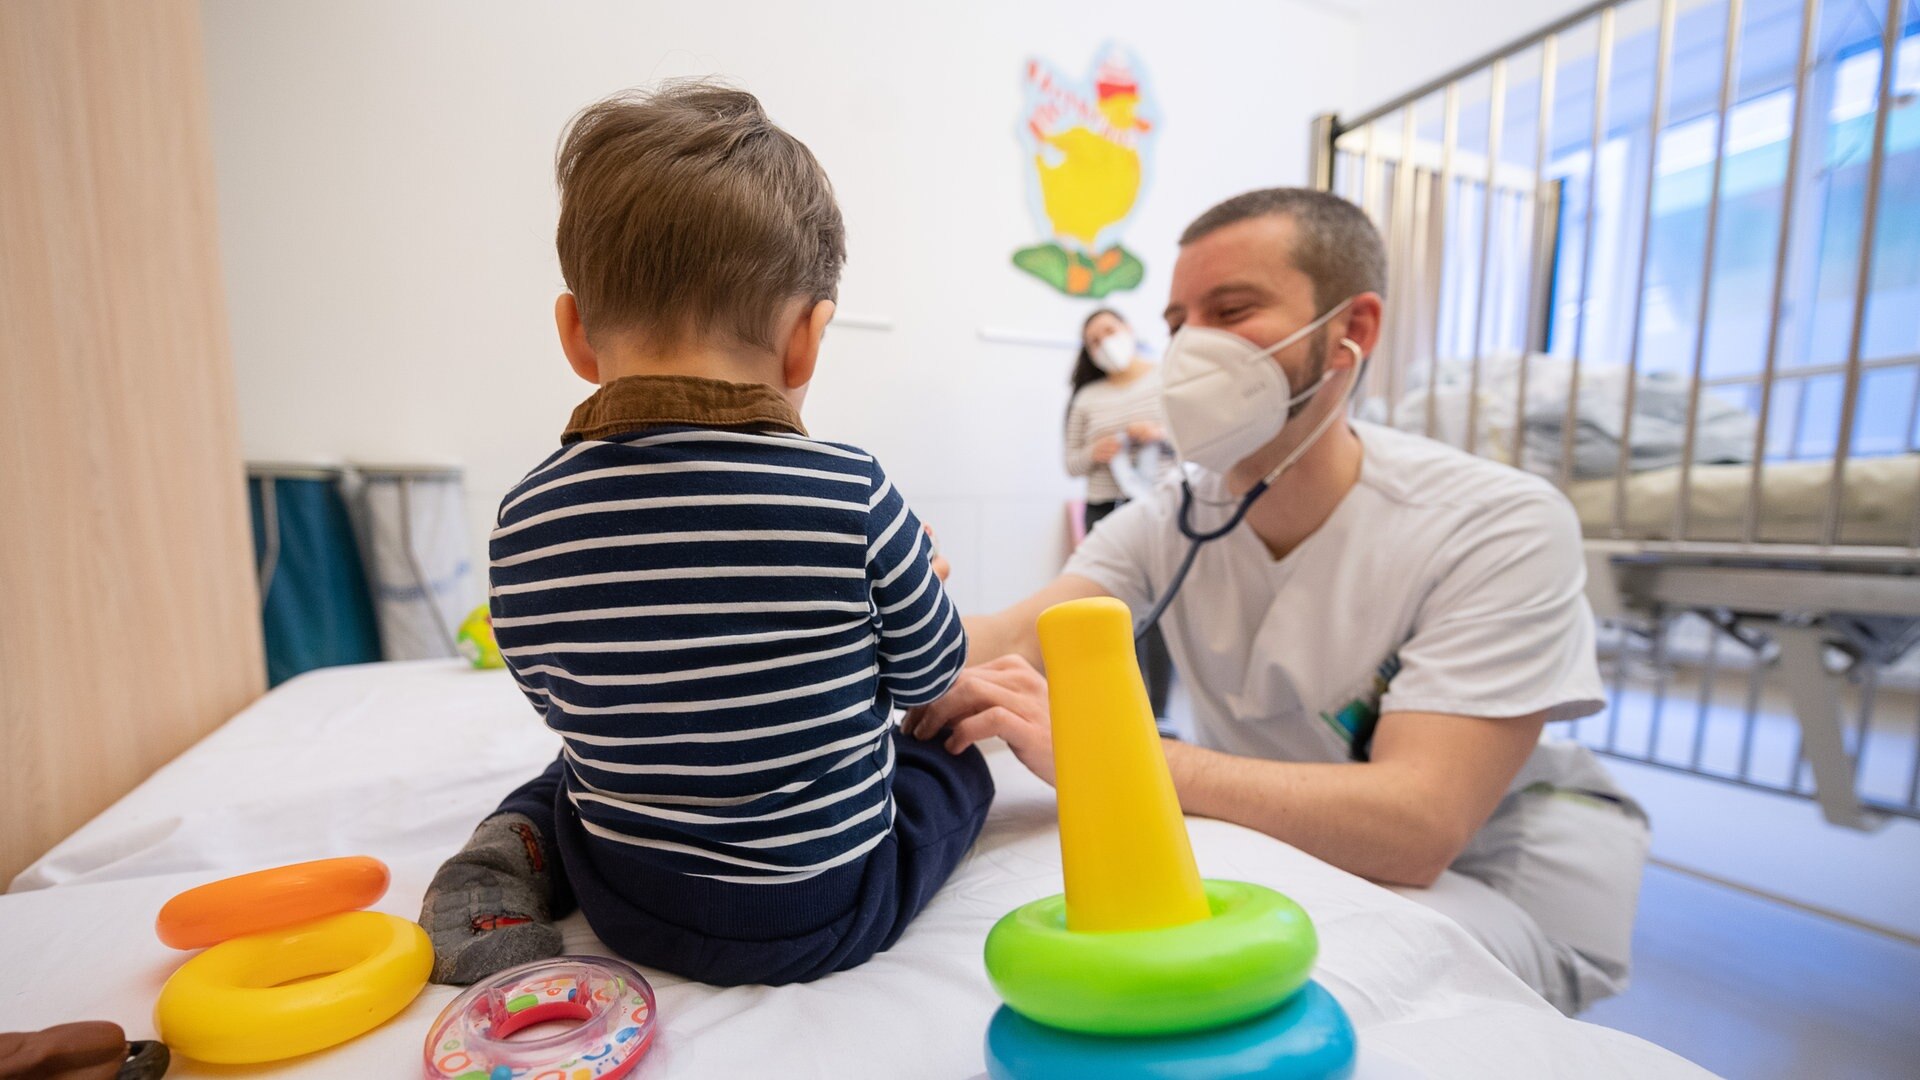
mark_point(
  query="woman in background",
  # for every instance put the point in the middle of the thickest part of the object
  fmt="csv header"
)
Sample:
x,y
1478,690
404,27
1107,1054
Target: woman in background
x,y
1114,421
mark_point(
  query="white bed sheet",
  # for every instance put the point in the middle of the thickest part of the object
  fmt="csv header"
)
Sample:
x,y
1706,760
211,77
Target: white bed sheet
x,y
400,760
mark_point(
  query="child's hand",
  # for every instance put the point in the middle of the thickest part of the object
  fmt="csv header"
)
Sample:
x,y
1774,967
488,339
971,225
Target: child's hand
x,y
1146,431
1106,449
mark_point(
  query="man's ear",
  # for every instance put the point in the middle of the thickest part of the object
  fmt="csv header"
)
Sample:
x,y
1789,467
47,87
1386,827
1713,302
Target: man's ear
x,y
573,339
1362,327
803,343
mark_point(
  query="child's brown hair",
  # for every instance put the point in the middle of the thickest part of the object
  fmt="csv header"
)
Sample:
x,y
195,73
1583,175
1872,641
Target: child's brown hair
x,y
687,212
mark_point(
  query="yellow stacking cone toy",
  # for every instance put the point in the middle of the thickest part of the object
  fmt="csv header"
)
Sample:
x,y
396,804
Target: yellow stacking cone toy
x,y
1141,968
1123,841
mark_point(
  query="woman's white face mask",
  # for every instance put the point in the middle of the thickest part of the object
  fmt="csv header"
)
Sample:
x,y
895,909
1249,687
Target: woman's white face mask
x,y
1115,352
1225,397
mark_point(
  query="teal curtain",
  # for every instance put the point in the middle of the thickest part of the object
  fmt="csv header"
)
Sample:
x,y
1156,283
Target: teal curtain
x,y
315,605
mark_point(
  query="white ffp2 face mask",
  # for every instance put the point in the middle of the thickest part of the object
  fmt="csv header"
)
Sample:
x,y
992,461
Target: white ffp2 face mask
x,y
1225,397
1114,352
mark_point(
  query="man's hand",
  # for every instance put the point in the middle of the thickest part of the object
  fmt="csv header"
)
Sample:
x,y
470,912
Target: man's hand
x,y
941,568
1106,449
1003,697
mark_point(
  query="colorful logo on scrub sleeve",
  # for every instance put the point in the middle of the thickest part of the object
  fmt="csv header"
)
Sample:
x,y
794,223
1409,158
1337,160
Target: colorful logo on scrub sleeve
x,y
1088,149
1355,721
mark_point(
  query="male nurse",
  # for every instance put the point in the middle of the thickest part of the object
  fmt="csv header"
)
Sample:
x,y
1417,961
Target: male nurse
x,y
1373,651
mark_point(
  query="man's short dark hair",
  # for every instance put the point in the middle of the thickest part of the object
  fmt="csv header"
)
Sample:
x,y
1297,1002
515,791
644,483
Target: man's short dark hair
x,y
1333,242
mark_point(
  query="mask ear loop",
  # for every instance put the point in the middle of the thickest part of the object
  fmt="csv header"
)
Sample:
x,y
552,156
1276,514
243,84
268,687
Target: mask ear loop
x,y
1326,422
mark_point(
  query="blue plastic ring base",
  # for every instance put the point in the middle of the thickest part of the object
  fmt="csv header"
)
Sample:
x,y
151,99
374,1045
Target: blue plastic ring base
x,y
1307,1038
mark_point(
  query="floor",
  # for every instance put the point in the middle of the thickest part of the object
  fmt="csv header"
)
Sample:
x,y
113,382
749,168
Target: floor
x,y
1756,990
1774,844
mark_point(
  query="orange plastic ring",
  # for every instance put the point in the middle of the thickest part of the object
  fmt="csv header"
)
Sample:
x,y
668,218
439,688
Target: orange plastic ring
x,y
270,899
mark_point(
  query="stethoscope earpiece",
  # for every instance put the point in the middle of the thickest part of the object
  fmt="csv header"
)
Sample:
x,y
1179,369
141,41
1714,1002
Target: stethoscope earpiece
x,y
1353,347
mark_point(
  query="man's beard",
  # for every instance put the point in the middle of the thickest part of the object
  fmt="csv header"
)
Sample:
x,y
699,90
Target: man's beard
x,y
1316,370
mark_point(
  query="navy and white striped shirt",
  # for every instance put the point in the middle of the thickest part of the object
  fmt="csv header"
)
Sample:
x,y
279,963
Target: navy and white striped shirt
x,y
720,623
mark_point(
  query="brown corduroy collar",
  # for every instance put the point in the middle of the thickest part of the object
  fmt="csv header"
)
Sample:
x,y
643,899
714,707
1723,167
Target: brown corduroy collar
x,y
638,401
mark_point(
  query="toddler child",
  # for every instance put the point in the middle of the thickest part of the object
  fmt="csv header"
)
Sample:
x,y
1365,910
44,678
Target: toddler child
x,y
717,612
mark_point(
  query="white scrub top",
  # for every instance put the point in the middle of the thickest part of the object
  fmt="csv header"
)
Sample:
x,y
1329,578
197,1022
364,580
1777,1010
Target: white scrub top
x,y
1442,583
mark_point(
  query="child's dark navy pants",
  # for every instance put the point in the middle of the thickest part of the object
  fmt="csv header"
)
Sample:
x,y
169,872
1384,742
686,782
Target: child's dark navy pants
x,y
729,934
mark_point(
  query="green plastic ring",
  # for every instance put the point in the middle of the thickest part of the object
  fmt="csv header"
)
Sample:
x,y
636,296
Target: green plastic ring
x,y
1256,950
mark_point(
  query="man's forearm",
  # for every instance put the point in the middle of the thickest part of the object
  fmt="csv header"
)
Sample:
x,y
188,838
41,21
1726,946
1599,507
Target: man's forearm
x,y
1358,817
992,636
1010,632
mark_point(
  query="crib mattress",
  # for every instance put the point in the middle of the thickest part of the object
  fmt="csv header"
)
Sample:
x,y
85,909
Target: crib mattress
x,y
1877,508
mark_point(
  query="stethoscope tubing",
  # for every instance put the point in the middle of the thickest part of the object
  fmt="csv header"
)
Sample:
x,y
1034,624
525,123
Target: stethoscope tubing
x,y
1197,540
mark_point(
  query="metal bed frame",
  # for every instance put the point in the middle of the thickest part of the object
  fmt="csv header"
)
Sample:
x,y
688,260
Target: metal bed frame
x,y
1825,621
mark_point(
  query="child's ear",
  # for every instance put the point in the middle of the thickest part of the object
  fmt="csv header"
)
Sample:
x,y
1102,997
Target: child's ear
x,y
803,343
573,339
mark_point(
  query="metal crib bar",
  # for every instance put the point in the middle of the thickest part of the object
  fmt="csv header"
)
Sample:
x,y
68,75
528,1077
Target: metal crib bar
x,y
1729,73
1619,684
1443,204
1402,215
1869,690
1757,785
1541,241
1913,411
1663,64
1602,78
1378,379
1370,177
1750,523
1913,522
1863,281
1662,672
1913,779
1756,676
1706,700
1496,119
1423,271
1797,764
1808,371
1323,152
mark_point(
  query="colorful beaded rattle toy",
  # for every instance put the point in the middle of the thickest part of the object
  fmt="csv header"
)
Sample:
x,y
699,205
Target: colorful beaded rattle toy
x,y
611,1002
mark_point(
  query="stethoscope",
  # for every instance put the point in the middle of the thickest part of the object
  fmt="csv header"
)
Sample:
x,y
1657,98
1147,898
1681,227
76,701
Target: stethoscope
x,y
1197,539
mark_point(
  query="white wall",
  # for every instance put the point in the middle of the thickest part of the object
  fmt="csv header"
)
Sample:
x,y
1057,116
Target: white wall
x,y
387,211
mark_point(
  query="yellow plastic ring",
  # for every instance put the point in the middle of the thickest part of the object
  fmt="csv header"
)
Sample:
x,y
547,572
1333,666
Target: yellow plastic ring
x,y
230,1005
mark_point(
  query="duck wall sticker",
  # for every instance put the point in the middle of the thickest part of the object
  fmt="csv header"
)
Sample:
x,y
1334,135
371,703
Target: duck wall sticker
x,y
1088,150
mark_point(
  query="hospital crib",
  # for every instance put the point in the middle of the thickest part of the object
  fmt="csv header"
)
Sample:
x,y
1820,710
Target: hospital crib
x,y
1666,253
